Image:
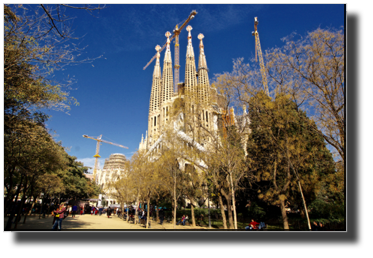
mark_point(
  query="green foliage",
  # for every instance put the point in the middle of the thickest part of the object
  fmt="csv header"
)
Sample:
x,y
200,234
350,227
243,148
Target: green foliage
x,y
255,211
284,149
328,212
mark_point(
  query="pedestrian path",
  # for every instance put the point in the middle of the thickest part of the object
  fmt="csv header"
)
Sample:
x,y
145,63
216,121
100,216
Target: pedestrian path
x,y
96,222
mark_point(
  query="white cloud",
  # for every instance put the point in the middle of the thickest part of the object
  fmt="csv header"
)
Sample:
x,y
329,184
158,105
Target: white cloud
x,y
90,162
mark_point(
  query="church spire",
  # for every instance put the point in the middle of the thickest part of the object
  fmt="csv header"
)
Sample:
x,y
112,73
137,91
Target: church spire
x,y
203,77
157,67
156,85
167,86
190,67
155,101
190,51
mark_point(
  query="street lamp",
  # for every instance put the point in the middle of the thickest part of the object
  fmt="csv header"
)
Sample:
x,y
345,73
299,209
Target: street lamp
x,y
208,202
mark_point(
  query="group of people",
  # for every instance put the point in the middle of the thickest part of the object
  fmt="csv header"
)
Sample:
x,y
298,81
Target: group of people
x,y
97,210
317,226
253,225
183,219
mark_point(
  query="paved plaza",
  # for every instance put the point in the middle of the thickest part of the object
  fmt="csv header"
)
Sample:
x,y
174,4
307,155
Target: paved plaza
x,y
95,222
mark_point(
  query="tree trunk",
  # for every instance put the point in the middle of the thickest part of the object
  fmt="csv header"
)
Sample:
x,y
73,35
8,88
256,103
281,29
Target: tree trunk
x,y
29,212
12,212
175,204
192,214
233,203
148,213
122,207
230,219
228,197
305,206
303,199
9,204
284,215
18,219
301,211
137,210
222,212
157,211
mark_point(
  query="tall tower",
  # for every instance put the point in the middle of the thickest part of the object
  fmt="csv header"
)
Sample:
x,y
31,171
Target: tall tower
x,y
190,68
204,89
167,84
203,77
155,102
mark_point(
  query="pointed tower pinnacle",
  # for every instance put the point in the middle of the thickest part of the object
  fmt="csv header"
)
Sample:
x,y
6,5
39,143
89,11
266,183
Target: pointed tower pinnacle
x,y
167,84
203,77
190,67
190,52
167,87
157,67
155,98
156,85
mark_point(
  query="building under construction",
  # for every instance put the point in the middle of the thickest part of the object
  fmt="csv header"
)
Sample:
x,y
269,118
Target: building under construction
x,y
114,168
199,99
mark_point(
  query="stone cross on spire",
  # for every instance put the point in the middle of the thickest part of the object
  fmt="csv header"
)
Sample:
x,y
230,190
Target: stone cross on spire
x,y
189,28
157,48
190,51
202,58
157,68
168,50
200,37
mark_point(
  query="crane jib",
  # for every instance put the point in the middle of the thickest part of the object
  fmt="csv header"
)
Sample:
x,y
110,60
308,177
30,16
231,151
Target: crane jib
x,y
176,33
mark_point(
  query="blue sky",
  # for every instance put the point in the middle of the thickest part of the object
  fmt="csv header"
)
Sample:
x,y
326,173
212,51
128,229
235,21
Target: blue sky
x,y
114,90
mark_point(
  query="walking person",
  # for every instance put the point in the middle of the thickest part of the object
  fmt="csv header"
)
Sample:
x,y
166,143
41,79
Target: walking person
x,y
67,211
108,212
81,210
59,215
74,209
161,216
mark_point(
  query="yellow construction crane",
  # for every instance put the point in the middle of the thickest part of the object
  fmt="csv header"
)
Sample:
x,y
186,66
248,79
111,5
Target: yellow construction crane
x,y
176,32
258,50
99,140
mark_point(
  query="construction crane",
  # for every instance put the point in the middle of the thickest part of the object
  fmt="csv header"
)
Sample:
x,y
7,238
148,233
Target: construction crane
x,y
258,51
99,140
176,32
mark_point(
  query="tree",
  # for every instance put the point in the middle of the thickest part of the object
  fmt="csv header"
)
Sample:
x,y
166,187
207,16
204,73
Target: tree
x,y
171,174
285,152
311,70
310,73
222,157
76,184
30,154
31,53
